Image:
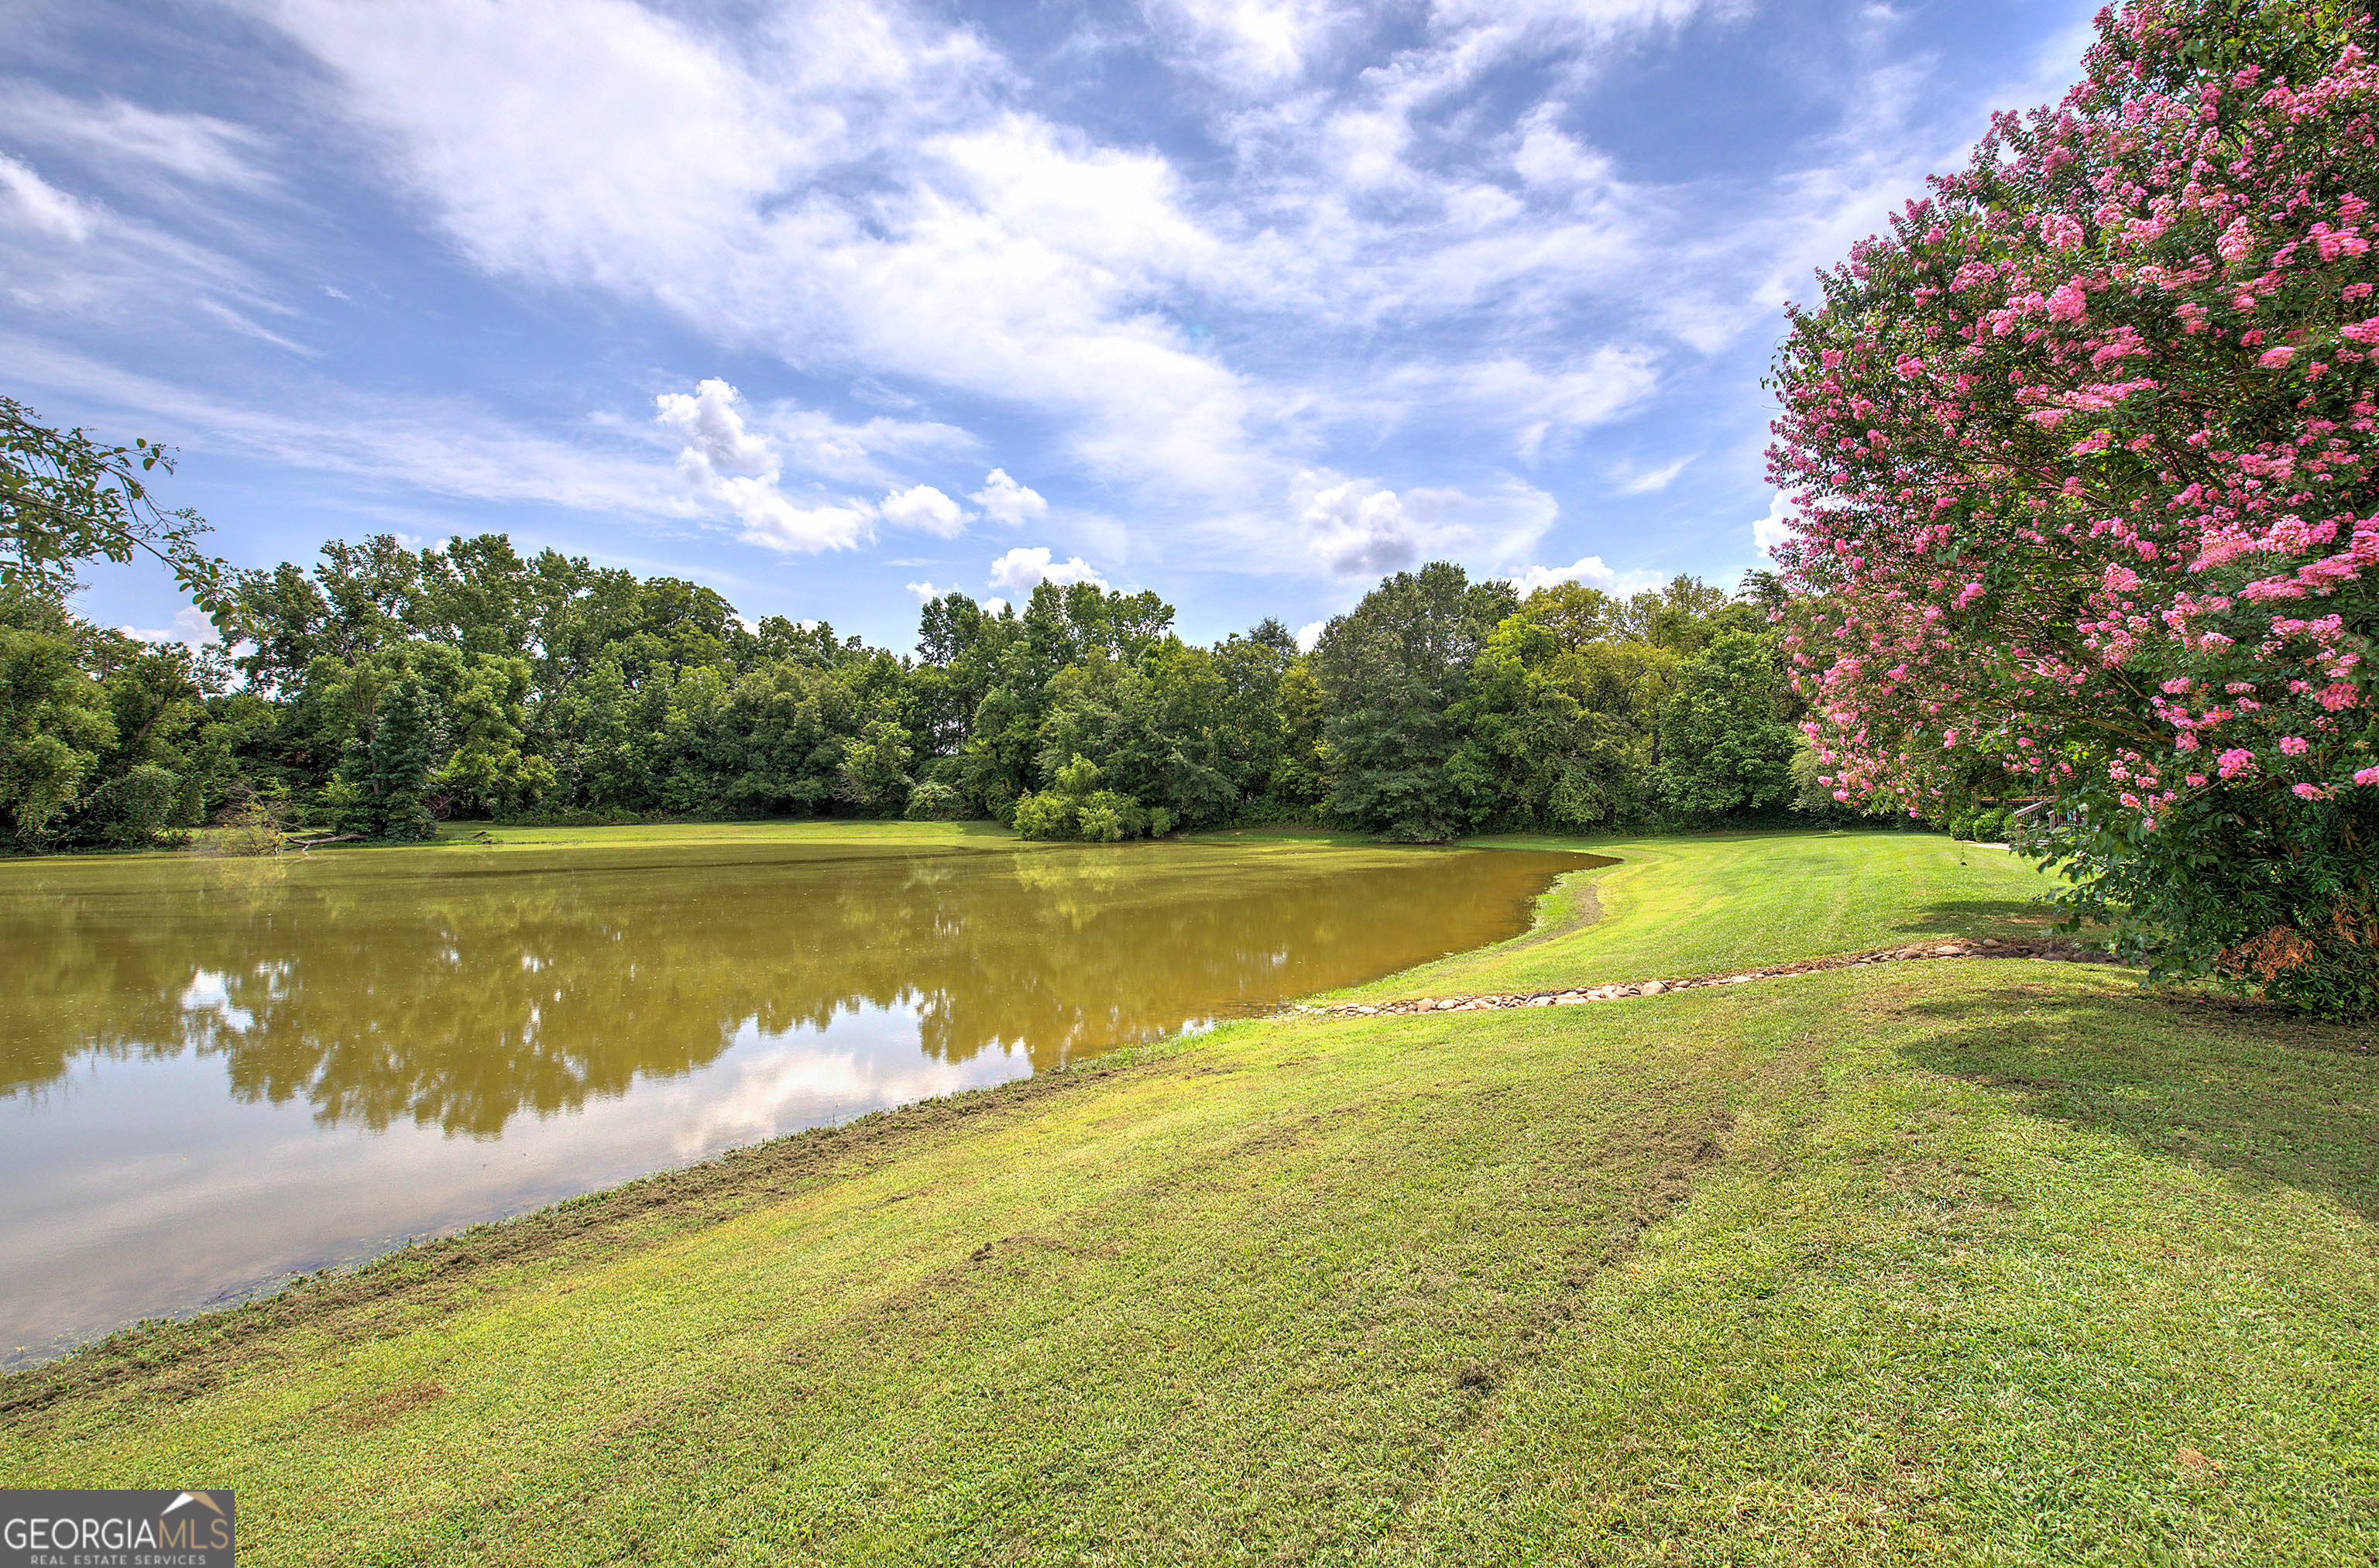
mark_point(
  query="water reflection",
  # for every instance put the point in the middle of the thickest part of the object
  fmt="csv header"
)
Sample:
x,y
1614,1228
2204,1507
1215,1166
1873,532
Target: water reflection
x,y
350,1049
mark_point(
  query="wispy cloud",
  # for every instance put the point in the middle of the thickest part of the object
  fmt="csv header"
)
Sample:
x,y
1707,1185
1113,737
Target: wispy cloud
x,y
131,144
438,447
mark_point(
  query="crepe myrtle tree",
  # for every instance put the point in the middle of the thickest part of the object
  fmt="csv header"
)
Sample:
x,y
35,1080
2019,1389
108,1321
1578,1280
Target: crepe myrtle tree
x,y
2083,453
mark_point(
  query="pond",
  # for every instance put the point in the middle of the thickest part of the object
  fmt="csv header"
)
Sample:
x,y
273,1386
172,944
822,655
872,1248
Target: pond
x,y
215,1074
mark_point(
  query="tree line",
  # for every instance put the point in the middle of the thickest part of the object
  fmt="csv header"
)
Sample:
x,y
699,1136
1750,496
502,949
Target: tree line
x,y
383,689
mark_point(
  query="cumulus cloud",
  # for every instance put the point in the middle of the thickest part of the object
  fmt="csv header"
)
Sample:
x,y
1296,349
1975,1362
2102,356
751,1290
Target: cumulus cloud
x,y
925,509
1358,528
927,593
712,424
1022,570
1309,634
728,463
190,628
1005,500
1769,532
1589,570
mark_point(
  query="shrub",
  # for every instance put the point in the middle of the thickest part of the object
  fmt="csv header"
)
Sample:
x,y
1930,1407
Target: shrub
x,y
1108,815
137,808
934,802
1049,815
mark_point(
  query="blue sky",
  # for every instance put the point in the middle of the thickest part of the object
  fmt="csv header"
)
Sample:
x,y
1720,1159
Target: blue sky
x,y
828,306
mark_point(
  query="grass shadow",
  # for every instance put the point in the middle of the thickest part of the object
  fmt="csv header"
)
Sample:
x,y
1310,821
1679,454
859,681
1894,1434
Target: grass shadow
x,y
1978,917
2242,1089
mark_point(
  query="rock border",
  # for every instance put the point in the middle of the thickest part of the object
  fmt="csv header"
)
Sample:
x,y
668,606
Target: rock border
x,y
1953,948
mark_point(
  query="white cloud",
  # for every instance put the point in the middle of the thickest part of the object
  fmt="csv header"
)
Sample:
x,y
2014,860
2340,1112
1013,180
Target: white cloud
x,y
715,441
1769,532
927,509
724,462
1633,481
1589,570
770,518
39,205
1248,45
817,443
442,447
190,627
1548,408
1022,570
841,196
1005,500
126,136
927,593
993,605
238,322
1358,528
1309,634
1548,159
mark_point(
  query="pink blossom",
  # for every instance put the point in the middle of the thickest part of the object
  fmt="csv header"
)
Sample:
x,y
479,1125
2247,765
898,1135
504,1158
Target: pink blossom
x,y
2367,776
1954,423
2309,791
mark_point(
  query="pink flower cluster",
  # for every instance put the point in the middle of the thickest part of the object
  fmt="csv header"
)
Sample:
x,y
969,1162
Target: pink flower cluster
x,y
2086,451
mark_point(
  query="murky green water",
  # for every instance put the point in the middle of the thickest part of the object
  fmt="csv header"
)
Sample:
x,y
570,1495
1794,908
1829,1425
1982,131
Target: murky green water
x,y
214,1073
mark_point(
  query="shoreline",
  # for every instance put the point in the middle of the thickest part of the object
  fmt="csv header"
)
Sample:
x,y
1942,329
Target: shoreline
x,y
260,1301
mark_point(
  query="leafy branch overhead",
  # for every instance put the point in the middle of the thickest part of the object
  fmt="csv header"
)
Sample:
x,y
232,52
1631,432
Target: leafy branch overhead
x,y
66,500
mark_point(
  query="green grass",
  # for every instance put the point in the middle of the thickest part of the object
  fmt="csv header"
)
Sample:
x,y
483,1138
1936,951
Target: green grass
x,y
1994,1262
1682,906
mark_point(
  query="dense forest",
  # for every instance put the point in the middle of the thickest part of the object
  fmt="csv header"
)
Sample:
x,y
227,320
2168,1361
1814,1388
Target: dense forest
x,y
385,689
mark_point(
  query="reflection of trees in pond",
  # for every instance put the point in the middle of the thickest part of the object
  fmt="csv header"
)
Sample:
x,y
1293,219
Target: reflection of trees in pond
x,y
459,991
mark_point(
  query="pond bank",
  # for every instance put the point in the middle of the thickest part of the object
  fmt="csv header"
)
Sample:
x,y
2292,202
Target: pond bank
x,y
314,1060
1904,1260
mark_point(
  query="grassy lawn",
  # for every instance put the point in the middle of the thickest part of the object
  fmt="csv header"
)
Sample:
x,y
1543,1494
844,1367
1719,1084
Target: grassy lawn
x,y
1700,905
1998,1263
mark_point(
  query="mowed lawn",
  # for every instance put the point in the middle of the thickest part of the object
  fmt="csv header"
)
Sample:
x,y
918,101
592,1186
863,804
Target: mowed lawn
x,y
1971,1262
